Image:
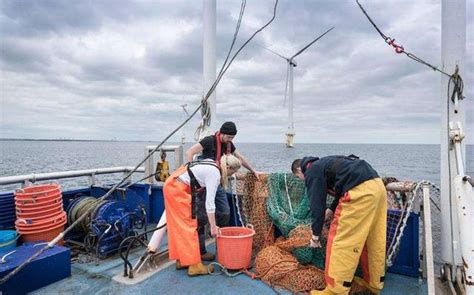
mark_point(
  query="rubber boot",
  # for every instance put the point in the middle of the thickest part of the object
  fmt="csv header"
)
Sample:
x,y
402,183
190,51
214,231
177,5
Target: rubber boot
x,y
199,269
362,282
179,266
321,292
208,256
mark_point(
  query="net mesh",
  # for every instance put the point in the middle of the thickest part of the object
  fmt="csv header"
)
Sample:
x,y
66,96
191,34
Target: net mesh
x,y
255,194
280,199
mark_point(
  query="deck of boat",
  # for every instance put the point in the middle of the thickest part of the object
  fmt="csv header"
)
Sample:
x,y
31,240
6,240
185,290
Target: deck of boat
x,y
93,278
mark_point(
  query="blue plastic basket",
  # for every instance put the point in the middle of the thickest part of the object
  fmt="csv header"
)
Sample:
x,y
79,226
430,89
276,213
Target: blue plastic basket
x,y
7,240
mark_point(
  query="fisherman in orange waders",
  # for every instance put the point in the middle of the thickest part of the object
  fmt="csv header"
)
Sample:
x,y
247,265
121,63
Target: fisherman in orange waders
x,y
181,191
358,229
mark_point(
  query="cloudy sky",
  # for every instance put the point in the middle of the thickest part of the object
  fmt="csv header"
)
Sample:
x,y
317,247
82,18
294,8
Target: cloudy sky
x,y
121,69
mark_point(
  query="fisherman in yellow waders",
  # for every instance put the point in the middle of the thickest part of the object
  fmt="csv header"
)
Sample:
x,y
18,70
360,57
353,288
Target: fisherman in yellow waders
x,y
358,229
162,169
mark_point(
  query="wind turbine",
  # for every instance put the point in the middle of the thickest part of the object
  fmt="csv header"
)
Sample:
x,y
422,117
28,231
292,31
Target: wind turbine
x,y
289,87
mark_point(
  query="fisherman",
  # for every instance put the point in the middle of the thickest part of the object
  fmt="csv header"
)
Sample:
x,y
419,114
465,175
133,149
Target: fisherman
x,y
180,192
213,147
358,228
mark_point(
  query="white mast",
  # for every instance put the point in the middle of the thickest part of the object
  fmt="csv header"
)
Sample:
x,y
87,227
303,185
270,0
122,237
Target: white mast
x,y
209,59
209,73
453,39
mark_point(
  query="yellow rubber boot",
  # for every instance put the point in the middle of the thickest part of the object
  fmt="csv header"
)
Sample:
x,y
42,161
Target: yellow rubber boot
x,y
321,292
361,282
179,266
199,269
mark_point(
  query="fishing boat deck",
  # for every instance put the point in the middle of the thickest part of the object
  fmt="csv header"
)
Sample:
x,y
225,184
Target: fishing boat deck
x,y
88,278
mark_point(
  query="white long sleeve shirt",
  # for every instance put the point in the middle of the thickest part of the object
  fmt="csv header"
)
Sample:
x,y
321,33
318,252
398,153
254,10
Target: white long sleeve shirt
x,y
208,176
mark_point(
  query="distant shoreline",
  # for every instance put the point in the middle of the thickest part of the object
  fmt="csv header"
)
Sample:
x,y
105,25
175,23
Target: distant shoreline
x,y
116,140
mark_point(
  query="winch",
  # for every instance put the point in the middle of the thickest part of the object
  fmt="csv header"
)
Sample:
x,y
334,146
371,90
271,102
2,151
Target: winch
x,y
108,224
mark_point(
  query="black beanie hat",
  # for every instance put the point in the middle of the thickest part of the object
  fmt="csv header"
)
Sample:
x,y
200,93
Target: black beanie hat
x,y
228,128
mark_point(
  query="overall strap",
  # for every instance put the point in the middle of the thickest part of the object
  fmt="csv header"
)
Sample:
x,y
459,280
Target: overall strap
x,y
218,147
228,150
196,188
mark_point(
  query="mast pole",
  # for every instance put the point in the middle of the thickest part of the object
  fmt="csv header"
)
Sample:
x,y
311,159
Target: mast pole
x,y
453,44
209,59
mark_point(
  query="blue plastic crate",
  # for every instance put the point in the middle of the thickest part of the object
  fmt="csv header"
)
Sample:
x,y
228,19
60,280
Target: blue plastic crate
x,y
51,266
407,260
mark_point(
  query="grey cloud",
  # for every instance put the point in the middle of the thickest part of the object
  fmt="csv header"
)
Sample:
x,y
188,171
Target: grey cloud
x,y
106,69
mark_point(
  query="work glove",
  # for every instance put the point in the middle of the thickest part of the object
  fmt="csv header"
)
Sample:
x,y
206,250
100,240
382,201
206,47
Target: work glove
x,y
315,242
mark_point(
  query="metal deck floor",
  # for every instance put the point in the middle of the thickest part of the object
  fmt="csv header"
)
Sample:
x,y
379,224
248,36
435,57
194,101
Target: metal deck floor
x,y
92,278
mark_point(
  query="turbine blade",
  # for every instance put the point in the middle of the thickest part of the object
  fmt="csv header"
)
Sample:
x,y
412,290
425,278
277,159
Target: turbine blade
x,y
286,86
312,42
277,54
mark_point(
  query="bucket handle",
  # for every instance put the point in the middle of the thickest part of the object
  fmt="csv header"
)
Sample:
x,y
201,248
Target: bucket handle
x,y
4,257
219,233
32,200
25,221
250,226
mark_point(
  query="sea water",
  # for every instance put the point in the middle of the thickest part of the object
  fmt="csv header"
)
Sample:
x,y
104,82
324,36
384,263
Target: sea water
x,y
413,162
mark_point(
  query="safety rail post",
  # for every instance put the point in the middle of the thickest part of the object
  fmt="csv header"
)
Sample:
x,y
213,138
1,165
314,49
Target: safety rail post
x,y
128,180
428,260
92,179
26,183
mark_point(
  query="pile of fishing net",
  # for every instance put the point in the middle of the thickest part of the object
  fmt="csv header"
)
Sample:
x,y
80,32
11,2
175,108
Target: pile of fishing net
x,y
279,199
288,207
276,266
254,211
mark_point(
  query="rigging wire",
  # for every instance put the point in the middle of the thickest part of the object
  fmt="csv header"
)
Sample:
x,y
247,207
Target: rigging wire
x,y
107,194
398,48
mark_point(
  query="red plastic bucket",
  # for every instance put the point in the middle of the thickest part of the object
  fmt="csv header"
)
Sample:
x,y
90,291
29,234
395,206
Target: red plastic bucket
x,y
45,235
37,199
234,246
39,190
39,213
31,224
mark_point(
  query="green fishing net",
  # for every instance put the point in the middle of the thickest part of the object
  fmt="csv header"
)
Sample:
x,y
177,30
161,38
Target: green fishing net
x,y
288,207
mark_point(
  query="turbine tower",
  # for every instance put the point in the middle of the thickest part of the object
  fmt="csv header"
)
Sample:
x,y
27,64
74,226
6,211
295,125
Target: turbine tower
x,y
289,87
183,136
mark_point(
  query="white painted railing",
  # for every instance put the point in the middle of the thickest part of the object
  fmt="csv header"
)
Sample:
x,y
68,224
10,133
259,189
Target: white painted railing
x,y
28,179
